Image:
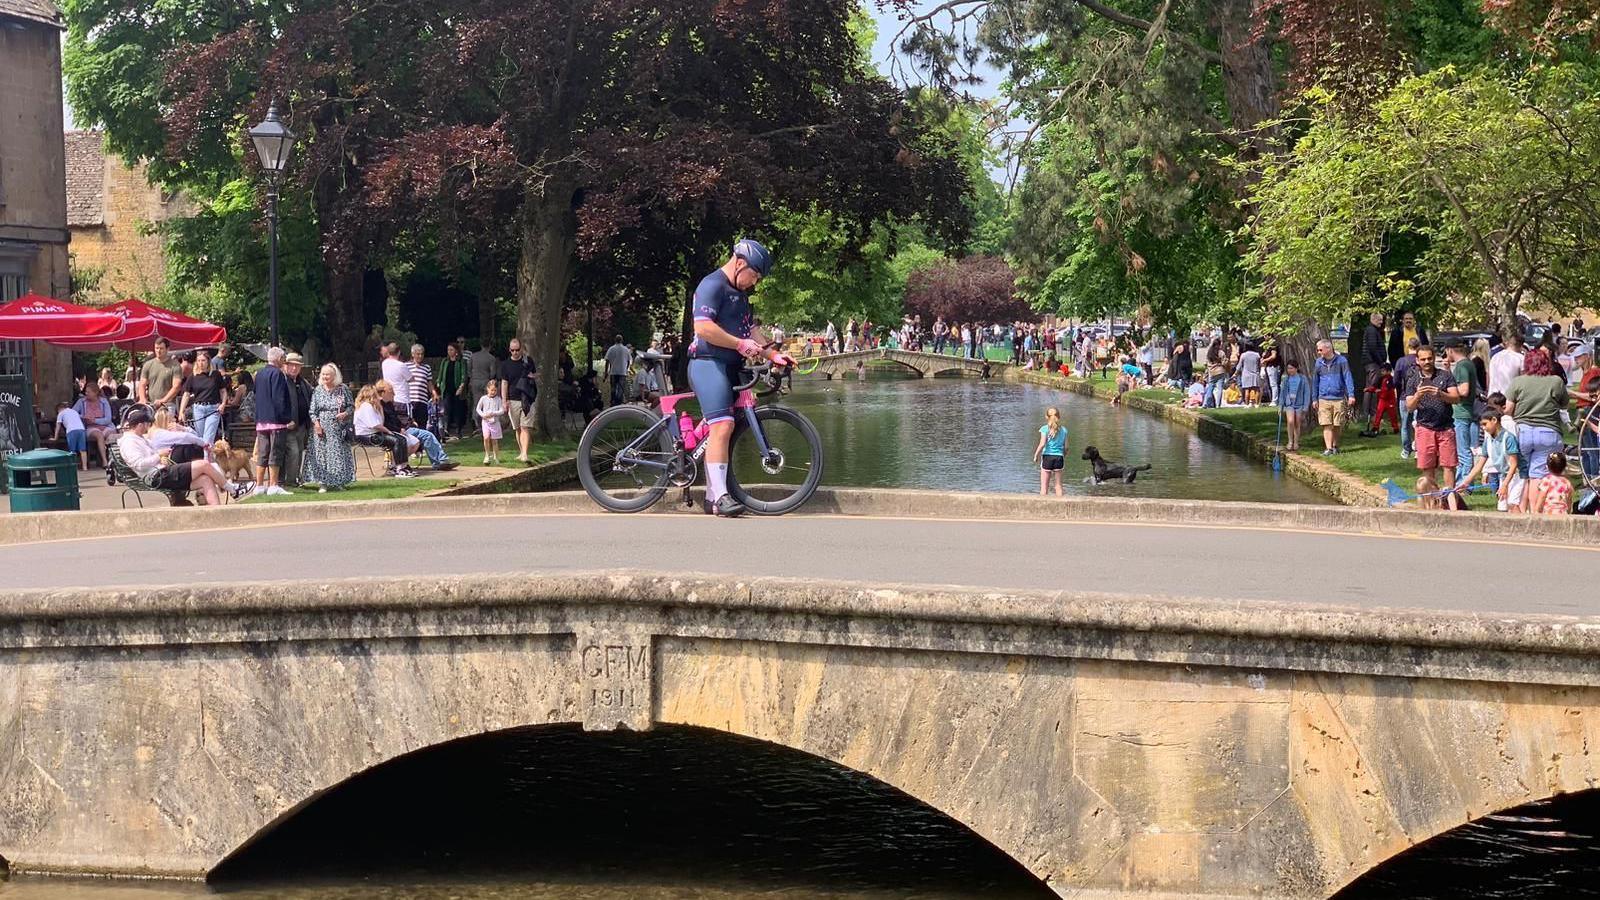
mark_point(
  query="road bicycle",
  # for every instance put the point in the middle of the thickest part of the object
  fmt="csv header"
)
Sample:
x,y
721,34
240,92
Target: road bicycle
x,y
632,453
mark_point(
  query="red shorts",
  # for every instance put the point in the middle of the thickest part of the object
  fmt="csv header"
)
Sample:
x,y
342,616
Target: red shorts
x,y
1436,449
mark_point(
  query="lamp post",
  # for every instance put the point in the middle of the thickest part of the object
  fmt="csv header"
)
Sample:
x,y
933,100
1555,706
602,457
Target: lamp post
x,y
273,141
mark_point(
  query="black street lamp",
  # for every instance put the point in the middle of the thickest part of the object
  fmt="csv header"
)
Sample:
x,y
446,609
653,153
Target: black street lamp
x,y
273,141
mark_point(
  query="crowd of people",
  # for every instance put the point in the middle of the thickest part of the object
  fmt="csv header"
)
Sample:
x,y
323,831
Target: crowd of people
x,y
1490,415
171,415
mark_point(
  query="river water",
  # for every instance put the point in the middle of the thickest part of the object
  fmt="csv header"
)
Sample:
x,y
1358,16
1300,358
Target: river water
x,y
681,814
967,435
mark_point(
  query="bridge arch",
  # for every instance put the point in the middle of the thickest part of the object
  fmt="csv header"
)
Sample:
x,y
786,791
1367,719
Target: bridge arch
x,y
927,727
1518,841
632,804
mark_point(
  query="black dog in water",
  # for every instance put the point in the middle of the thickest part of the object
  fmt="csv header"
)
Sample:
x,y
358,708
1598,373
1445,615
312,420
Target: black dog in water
x,y
1105,470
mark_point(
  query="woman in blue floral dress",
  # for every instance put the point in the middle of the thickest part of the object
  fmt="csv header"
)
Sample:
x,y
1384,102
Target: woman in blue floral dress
x,y
331,464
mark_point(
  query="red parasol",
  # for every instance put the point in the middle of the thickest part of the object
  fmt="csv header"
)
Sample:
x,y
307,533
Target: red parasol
x,y
145,323
38,318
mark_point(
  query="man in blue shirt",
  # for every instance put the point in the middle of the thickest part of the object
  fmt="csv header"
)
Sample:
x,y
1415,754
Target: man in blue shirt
x,y
1336,393
724,336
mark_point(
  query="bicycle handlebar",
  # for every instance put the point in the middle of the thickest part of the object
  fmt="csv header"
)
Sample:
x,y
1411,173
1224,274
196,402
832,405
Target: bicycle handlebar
x,y
751,374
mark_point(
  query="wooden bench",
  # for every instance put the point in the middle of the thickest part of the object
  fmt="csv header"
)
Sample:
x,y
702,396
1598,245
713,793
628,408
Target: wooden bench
x,y
133,484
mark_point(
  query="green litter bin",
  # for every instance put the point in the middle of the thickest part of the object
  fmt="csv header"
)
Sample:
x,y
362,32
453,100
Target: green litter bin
x,y
42,480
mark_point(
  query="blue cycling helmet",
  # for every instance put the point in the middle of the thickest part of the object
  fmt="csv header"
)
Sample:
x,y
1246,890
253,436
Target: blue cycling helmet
x,y
754,255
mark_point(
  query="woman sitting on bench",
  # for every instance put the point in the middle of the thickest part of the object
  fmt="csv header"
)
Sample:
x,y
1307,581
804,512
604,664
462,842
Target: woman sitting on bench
x,y
372,432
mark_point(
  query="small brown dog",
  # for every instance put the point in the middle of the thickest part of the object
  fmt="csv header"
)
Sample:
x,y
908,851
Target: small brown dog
x,y
236,464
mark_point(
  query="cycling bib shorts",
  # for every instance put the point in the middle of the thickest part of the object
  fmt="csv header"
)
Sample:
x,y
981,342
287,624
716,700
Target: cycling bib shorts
x,y
712,382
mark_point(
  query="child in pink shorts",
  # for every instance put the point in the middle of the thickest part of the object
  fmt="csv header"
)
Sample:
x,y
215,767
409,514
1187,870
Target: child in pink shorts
x,y
490,408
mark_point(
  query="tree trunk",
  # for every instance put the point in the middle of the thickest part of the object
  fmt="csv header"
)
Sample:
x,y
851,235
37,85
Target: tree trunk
x,y
1355,353
1250,89
1505,309
544,270
344,312
486,316
1249,86
1300,346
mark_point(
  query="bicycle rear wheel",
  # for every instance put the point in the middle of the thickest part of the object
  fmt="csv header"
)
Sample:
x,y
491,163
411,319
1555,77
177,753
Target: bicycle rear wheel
x,y
780,481
614,479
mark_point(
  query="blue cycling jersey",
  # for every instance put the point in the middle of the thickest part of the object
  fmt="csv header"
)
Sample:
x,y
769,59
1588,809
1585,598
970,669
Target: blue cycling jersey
x,y
717,300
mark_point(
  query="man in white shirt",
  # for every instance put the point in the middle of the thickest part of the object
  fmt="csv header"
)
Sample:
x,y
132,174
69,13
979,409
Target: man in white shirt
x,y
396,372
1505,365
164,475
618,357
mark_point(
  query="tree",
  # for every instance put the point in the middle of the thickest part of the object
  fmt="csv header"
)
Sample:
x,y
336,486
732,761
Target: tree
x,y
974,289
1421,165
177,84
653,133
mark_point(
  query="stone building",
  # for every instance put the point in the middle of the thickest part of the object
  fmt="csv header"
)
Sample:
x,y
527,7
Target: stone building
x,y
111,208
33,191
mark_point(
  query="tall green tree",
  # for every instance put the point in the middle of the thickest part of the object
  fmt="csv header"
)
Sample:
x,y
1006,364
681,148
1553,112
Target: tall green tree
x,y
1498,176
177,85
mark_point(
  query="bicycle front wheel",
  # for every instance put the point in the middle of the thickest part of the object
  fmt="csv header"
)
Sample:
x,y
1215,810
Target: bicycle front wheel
x,y
779,480
610,454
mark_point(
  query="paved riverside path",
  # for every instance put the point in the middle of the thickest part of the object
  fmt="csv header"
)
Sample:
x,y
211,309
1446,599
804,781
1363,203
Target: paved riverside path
x,y
1233,563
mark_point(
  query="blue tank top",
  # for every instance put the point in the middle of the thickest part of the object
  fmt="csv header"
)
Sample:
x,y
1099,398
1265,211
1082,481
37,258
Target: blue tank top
x,y
1054,446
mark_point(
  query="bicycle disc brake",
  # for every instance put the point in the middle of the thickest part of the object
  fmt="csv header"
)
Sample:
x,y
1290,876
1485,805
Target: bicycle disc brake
x,y
772,462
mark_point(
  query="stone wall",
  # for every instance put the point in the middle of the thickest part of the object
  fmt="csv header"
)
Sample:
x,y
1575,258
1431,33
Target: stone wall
x,y
33,210
113,211
1129,747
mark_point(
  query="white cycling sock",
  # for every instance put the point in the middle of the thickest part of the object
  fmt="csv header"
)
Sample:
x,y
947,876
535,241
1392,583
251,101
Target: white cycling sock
x,y
716,481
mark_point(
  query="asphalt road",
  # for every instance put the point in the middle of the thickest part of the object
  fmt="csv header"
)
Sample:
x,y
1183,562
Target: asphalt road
x,y
1231,563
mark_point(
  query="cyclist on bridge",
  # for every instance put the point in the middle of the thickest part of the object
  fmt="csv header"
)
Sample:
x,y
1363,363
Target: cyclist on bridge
x,y
725,335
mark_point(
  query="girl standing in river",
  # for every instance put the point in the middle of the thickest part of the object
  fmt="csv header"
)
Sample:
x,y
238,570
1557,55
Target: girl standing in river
x,y
1052,451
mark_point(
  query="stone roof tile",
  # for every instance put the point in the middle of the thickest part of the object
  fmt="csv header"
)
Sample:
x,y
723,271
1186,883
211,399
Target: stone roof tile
x,y
32,11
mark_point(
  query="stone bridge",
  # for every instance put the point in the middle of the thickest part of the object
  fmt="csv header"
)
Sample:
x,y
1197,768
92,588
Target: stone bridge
x,y
928,365
1114,745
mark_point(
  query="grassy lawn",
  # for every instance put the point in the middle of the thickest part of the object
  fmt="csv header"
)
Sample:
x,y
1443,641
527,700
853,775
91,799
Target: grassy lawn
x,y
466,452
469,452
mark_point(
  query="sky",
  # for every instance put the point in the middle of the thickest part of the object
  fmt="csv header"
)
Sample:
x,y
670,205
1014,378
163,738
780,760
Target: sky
x,y
883,52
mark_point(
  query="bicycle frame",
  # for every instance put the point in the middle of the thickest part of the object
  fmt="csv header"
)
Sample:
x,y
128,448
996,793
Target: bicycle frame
x,y
668,407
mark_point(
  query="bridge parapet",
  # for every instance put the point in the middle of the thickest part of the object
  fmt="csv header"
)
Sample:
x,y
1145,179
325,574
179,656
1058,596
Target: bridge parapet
x,y
927,365
1145,745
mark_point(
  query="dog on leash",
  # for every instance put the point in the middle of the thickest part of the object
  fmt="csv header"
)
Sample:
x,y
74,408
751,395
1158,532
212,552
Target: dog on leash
x,y
235,464
1105,470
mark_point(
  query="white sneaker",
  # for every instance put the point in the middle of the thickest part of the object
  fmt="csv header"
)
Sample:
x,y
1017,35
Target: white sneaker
x,y
276,491
322,490
486,460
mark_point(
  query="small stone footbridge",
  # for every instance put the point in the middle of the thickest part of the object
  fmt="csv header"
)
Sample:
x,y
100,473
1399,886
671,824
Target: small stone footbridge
x,y
927,365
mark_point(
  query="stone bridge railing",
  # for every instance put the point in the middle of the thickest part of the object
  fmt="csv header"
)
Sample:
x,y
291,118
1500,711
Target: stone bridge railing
x,y
928,365
1123,746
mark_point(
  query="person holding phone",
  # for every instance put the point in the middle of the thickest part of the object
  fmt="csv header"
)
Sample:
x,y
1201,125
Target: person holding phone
x,y
1431,393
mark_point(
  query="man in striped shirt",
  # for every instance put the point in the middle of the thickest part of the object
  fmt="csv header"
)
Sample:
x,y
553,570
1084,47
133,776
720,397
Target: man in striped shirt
x,y
420,376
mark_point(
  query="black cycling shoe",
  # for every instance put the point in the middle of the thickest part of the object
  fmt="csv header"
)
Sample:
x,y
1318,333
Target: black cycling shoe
x,y
726,507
